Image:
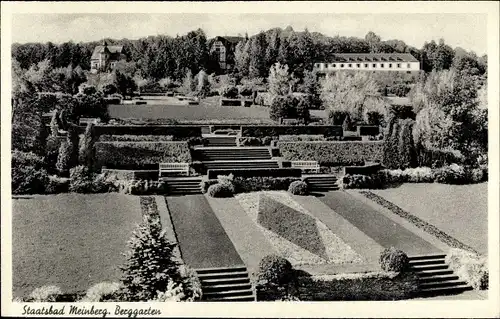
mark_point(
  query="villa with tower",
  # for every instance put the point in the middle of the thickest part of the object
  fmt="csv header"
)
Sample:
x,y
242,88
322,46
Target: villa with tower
x,y
105,57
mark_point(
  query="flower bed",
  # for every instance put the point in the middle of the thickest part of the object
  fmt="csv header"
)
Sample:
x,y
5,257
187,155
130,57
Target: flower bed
x,y
337,251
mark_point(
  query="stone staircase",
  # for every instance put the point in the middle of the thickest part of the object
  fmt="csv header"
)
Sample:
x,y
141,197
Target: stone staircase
x,y
221,141
226,284
232,153
240,164
182,185
435,277
321,183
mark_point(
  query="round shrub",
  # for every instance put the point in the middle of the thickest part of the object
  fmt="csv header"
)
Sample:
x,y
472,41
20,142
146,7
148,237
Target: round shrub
x,y
221,190
245,90
298,188
104,291
29,180
392,259
230,92
275,270
452,174
45,294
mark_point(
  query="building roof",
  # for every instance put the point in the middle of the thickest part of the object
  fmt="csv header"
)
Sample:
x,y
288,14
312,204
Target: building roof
x,y
372,57
113,49
230,39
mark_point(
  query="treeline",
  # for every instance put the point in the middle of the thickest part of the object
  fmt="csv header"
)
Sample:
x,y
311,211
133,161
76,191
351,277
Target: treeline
x,y
159,57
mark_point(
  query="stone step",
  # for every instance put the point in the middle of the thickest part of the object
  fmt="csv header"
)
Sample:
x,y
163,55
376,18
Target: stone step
x,y
442,284
200,271
429,267
420,257
226,281
223,275
438,278
427,262
431,273
228,293
444,290
226,287
234,298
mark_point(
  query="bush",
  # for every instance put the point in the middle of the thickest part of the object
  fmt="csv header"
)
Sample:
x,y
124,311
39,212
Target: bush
x,y
453,174
221,190
245,90
82,180
470,267
206,184
365,130
361,181
262,183
255,141
191,284
336,117
275,271
64,158
86,155
279,130
283,107
332,153
229,91
45,294
150,263
140,155
392,259
298,188
57,185
136,138
179,132
374,118
28,180
104,291
144,187
302,138
256,172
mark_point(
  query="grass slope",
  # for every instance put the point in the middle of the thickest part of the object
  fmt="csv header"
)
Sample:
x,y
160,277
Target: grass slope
x,y
459,210
70,240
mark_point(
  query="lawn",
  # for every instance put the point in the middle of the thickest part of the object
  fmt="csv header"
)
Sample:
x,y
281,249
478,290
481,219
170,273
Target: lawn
x,y
72,241
173,109
459,210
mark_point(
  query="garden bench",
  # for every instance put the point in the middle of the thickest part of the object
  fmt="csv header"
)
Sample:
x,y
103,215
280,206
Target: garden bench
x,y
87,120
174,168
306,165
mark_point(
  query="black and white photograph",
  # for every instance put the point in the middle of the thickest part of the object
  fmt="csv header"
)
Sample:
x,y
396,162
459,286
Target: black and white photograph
x,y
318,158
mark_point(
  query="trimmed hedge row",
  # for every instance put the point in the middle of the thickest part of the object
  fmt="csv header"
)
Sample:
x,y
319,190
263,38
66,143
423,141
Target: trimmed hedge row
x,y
131,174
368,130
177,131
333,153
367,169
262,183
256,172
277,130
140,155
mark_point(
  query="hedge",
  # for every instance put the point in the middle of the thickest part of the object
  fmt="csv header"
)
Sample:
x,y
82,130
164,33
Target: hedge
x,y
367,169
131,174
177,131
140,155
277,130
262,183
333,153
255,172
368,286
368,130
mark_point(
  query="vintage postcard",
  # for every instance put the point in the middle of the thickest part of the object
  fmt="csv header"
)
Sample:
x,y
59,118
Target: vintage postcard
x,y
250,159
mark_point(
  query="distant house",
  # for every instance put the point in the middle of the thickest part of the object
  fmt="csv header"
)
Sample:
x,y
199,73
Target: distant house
x,y
224,48
399,62
105,57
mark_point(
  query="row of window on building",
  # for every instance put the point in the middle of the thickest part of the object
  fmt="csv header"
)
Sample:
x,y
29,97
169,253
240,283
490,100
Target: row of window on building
x,y
366,65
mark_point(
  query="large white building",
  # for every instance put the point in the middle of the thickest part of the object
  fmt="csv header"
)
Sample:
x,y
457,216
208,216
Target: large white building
x,y
402,62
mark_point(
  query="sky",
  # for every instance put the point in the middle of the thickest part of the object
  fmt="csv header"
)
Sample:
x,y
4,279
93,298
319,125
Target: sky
x,y
468,31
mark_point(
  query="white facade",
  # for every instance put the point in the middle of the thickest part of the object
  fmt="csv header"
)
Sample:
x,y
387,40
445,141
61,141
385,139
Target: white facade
x,y
367,66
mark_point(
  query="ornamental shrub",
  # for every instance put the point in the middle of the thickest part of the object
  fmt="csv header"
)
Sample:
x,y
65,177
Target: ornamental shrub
x,y
245,90
150,262
336,117
221,190
229,92
191,283
86,155
298,188
64,158
283,107
275,271
262,183
45,294
470,267
206,184
392,259
104,291
57,185
28,180
452,174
